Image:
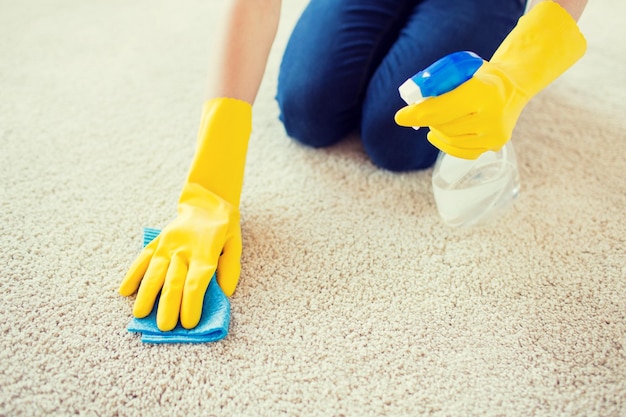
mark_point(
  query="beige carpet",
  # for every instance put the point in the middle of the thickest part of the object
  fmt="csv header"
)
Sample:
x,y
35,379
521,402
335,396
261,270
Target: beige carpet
x,y
354,299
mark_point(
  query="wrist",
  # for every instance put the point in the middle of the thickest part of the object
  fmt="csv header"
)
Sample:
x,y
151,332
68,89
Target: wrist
x,y
195,196
222,144
543,45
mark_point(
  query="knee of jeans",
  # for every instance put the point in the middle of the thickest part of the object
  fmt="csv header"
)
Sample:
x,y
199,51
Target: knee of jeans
x,y
398,149
308,120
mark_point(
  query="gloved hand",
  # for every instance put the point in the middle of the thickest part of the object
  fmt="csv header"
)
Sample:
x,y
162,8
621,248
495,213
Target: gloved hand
x,y
480,114
206,235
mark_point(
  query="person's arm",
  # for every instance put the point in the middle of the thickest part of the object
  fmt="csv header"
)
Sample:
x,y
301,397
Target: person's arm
x,y
480,115
205,237
242,46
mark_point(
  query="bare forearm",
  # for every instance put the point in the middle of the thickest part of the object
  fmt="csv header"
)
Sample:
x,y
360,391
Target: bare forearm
x,y
574,7
241,48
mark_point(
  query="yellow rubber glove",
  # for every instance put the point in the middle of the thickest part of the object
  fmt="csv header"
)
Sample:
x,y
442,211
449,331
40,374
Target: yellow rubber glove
x,y
480,114
206,235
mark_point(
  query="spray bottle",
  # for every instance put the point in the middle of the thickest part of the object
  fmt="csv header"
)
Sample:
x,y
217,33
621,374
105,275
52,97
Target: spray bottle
x,y
467,192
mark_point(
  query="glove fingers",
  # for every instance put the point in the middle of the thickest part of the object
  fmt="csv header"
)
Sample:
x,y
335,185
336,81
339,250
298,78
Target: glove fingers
x,y
437,110
467,125
151,285
440,141
171,294
229,266
137,270
197,282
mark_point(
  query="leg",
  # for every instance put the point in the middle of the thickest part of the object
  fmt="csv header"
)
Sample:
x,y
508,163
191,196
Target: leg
x,y
333,51
434,29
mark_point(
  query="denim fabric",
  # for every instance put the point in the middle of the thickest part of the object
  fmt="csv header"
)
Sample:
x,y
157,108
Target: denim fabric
x,y
346,58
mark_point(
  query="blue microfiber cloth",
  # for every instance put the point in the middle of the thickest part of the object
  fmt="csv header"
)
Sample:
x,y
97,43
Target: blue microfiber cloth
x,y
213,324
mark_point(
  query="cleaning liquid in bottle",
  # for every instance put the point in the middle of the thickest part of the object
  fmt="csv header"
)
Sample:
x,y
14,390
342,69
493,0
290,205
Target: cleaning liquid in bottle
x,y
467,192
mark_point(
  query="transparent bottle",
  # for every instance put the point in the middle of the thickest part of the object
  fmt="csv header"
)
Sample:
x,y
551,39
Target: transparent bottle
x,y
473,192
467,192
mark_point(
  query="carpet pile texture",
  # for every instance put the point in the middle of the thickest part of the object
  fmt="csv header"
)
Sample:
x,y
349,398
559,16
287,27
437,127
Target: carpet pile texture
x,y
354,300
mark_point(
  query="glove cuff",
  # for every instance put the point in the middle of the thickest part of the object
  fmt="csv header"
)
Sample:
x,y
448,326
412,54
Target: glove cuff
x,y
220,158
543,45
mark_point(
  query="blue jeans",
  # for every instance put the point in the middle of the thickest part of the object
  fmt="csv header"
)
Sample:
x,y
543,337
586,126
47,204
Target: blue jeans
x,y
346,58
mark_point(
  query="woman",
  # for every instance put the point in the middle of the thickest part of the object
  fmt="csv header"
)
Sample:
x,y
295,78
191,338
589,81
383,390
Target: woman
x,y
340,73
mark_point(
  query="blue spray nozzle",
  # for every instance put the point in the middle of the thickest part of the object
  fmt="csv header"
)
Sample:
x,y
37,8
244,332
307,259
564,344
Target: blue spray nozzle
x,y
447,73
444,75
